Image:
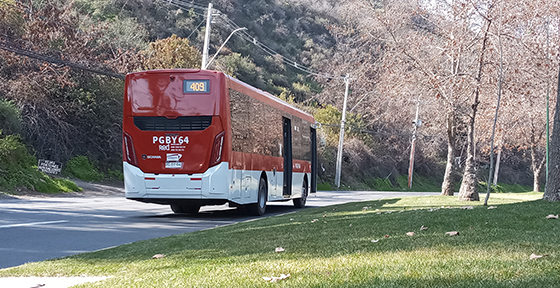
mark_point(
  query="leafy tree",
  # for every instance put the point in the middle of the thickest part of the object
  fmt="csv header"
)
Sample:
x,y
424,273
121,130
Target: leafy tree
x,y
330,117
172,52
64,111
11,18
243,69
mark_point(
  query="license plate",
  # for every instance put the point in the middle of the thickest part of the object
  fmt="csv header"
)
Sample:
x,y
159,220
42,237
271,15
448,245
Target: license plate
x,y
174,165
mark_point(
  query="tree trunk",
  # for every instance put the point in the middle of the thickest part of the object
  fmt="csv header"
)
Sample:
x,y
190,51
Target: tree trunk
x,y
536,167
552,188
447,187
469,185
537,180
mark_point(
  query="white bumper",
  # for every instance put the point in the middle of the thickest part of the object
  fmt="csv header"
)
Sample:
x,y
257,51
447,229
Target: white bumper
x,y
212,184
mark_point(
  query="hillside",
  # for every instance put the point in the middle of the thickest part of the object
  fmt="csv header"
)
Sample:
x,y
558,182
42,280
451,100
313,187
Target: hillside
x,y
61,63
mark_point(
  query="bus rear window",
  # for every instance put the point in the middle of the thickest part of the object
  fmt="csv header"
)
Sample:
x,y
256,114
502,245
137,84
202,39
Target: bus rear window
x,y
183,123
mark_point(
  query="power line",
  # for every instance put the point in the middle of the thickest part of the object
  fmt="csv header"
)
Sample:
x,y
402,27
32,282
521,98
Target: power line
x,y
247,37
195,29
186,6
34,55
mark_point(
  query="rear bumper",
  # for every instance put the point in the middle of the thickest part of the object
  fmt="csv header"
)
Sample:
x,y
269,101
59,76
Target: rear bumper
x,y
160,188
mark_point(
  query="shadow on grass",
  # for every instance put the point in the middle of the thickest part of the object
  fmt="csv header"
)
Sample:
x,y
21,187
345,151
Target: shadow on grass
x,y
492,249
348,225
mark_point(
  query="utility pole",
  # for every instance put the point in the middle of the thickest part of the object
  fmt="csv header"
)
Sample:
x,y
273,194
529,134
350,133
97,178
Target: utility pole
x,y
206,38
341,137
416,123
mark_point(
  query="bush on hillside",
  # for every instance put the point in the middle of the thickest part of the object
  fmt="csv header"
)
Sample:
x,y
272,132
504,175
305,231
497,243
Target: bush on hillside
x,y
15,163
81,168
10,118
18,169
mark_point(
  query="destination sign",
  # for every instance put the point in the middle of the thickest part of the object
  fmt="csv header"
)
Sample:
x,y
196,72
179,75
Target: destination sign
x,y
196,86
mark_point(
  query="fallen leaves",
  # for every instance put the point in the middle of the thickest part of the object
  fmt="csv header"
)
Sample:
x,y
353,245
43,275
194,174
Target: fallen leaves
x,y
158,256
423,228
276,279
551,216
467,207
452,233
279,249
410,233
375,240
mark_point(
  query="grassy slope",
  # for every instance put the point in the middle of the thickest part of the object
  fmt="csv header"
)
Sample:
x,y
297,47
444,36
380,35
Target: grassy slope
x,y
492,249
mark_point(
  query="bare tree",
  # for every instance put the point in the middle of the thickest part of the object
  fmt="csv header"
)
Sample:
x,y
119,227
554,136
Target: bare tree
x,y
552,189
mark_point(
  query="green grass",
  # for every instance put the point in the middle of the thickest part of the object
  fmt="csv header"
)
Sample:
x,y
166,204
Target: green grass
x,y
336,250
504,188
324,186
419,183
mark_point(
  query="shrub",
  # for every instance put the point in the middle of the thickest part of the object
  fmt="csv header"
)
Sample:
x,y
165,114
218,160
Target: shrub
x,y
381,184
10,119
115,174
81,168
15,163
18,169
47,184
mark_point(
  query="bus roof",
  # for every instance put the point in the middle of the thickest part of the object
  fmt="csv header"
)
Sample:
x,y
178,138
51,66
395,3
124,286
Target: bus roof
x,y
262,95
274,100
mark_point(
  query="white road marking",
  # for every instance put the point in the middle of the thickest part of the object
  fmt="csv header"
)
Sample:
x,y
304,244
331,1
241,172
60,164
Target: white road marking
x,y
32,224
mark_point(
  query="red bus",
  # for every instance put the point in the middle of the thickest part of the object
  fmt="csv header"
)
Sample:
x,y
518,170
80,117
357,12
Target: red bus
x,y
198,137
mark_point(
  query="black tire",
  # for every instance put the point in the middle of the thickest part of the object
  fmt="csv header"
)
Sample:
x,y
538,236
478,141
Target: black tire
x,y
177,208
300,202
259,208
182,208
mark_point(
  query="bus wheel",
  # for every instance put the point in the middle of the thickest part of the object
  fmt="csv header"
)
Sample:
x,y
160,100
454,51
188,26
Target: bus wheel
x,y
300,202
189,209
259,208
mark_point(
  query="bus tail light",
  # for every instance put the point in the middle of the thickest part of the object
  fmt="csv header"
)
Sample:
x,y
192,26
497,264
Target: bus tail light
x,y
128,150
216,155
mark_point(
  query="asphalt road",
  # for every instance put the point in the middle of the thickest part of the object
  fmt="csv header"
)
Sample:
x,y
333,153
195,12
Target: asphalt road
x,y
36,229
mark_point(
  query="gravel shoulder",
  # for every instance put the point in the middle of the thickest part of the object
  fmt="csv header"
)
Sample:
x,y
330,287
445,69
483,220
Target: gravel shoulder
x,y
98,189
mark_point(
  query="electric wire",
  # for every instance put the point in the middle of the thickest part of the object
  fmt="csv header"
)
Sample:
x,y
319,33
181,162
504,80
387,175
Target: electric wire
x,y
182,4
31,54
195,29
186,6
244,34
